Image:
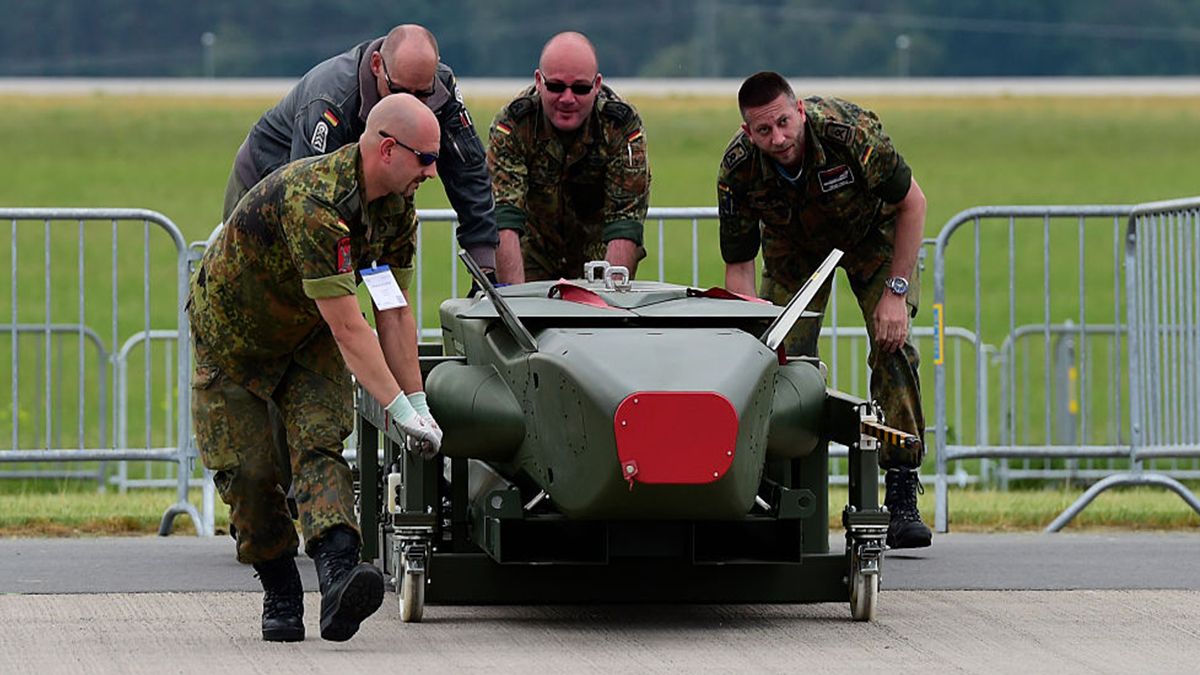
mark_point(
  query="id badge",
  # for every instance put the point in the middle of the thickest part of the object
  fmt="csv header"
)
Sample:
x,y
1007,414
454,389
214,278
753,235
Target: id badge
x,y
382,286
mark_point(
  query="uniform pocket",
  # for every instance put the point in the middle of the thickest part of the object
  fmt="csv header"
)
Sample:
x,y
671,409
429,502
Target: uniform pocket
x,y
210,418
465,142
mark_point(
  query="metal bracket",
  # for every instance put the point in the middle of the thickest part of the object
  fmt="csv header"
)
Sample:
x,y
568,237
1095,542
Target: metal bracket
x,y
595,271
616,278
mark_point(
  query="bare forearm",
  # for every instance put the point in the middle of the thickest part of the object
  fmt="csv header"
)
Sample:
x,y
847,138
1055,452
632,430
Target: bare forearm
x,y
910,229
366,360
739,277
623,252
510,266
398,338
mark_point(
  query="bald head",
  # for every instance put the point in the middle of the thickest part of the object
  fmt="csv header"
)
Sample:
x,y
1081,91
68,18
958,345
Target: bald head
x,y
412,39
399,147
569,50
407,61
405,117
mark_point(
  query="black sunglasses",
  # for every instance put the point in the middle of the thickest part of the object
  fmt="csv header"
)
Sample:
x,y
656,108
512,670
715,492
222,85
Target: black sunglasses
x,y
577,88
425,158
397,89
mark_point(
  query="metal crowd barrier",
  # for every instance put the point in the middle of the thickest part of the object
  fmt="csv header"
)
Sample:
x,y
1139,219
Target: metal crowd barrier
x,y
1066,401
77,272
1162,293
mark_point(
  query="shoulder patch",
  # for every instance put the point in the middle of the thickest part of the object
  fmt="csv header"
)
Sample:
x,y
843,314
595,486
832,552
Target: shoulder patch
x,y
520,107
735,155
345,263
837,131
320,134
617,110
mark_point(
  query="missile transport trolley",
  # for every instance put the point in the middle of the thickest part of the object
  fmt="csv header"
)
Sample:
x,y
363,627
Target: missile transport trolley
x,y
609,440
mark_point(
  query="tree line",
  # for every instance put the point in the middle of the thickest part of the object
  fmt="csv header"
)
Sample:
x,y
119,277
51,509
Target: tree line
x,y
651,38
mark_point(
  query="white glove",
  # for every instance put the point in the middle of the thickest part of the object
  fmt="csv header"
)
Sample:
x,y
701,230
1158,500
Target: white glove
x,y
423,437
418,401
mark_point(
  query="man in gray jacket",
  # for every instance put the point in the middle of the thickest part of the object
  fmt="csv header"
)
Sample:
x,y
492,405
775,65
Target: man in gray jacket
x,y
328,109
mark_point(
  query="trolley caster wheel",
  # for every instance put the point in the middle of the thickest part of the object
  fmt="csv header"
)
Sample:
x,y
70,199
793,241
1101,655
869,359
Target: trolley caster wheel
x,y
412,594
864,585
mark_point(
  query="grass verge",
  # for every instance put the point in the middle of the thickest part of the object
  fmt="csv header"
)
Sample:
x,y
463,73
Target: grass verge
x,y
71,514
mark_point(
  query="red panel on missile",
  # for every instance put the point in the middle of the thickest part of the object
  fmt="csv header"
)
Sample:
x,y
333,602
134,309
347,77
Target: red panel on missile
x,y
675,437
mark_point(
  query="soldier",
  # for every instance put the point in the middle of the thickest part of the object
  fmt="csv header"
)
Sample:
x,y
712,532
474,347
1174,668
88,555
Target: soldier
x,y
820,174
275,321
569,172
329,106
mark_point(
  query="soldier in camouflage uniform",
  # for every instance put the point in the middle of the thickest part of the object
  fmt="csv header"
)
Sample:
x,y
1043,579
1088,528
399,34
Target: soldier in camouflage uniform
x,y
275,321
569,171
802,178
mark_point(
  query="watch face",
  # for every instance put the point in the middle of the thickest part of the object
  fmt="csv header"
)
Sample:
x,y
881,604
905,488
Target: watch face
x,y
898,285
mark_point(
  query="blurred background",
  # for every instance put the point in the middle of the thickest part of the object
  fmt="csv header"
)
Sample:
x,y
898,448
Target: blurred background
x,y
635,38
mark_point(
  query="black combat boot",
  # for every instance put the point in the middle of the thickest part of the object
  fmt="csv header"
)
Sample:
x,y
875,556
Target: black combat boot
x,y
350,590
905,529
283,600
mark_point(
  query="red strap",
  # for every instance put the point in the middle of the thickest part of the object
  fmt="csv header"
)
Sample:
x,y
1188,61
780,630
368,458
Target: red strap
x,y
723,294
575,293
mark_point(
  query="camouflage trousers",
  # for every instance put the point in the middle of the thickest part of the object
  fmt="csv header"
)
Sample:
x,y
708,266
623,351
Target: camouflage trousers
x,y
239,437
895,383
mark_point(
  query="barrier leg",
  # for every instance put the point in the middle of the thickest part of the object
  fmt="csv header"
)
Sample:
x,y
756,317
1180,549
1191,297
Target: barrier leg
x,y
1122,479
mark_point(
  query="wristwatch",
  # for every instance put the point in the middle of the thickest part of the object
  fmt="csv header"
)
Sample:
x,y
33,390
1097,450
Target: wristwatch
x,y
897,285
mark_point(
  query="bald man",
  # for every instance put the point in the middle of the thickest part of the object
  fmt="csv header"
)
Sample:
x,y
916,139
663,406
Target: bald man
x,y
569,170
328,108
275,322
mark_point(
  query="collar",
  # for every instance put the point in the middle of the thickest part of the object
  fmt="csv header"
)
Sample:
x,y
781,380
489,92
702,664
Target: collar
x,y
368,92
814,154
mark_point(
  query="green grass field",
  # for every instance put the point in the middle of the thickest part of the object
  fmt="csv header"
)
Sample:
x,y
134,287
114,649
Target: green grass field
x,y
173,155
69,512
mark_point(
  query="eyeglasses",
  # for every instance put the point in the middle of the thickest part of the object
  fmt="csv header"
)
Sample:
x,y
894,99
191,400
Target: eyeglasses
x,y
397,89
577,88
425,158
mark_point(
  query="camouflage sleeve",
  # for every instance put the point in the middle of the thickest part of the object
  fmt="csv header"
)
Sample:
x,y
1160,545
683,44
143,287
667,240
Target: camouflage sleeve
x,y
510,174
627,188
739,231
887,174
318,129
319,241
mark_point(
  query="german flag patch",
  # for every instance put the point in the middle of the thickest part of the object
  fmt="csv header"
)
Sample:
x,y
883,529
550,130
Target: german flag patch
x,y
503,128
634,136
331,118
866,156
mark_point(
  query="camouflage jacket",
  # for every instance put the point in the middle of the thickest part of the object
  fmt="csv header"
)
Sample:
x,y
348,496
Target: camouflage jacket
x,y
301,234
851,179
328,108
568,200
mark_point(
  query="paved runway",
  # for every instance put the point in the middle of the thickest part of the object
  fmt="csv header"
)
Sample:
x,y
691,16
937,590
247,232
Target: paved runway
x,y
972,603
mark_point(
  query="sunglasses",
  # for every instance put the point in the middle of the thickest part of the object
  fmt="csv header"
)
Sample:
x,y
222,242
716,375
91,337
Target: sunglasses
x,y
425,158
397,89
577,88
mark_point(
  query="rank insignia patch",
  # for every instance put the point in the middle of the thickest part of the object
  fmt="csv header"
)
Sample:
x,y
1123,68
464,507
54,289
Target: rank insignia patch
x,y
835,178
842,133
319,135
734,156
344,261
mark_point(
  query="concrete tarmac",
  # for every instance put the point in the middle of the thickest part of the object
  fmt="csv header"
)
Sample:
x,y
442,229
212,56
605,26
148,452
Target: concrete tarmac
x,y
1025,603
